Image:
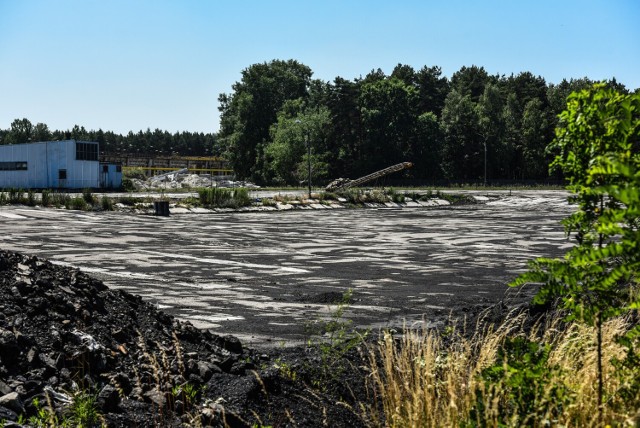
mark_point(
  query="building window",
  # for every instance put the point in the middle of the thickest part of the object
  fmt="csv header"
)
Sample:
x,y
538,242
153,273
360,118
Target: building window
x,y
13,166
87,151
62,174
105,168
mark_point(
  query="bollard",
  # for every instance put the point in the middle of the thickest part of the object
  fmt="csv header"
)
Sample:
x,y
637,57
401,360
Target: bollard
x,y
161,208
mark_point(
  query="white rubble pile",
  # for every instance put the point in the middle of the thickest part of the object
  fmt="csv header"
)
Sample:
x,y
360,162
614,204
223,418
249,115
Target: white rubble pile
x,y
184,180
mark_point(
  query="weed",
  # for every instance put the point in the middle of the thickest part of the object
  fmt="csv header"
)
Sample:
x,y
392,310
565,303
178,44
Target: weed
x,y
45,198
499,375
31,198
83,410
88,196
268,202
76,204
45,415
396,197
15,196
339,338
106,203
130,200
285,369
224,198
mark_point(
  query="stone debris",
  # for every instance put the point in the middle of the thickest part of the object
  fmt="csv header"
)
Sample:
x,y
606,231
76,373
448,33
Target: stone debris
x,y
183,180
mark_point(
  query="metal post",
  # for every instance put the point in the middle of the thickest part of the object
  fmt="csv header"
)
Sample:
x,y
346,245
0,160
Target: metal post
x,y
485,164
309,163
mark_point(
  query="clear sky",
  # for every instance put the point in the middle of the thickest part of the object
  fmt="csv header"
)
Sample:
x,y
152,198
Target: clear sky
x,y
124,65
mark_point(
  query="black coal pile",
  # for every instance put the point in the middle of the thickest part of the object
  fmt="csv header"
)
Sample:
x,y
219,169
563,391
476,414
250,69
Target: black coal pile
x,y
66,340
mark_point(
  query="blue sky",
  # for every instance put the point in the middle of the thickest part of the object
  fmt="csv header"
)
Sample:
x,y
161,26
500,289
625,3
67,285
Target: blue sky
x,y
126,65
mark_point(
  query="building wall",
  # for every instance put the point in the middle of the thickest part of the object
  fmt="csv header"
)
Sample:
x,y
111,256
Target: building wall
x,y
110,176
44,162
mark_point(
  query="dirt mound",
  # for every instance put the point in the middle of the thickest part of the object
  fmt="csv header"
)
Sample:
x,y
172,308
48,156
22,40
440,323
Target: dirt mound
x,y
64,335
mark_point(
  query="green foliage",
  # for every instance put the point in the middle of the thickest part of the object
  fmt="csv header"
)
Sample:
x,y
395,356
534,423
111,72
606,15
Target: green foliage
x,y
129,173
31,198
15,196
106,203
45,416
525,379
219,197
130,200
596,149
60,200
339,338
396,197
88,196
127,185
77,204
247,114
187,393
45,198
83,410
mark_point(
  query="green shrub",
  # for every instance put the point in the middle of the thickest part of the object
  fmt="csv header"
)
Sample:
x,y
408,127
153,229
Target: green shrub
x,y
106,203
127,185
129,173
60,200
31,198
88,196
77,204
224,198
241,197
15,196
130,200
45,199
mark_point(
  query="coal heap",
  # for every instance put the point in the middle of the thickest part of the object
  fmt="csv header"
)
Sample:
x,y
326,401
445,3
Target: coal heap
x,y
64,334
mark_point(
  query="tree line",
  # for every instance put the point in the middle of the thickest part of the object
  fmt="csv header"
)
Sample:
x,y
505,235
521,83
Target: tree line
x,y
469,127
446,127
152,143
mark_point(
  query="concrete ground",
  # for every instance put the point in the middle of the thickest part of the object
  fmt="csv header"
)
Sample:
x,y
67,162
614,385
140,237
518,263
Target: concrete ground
x,y
267,276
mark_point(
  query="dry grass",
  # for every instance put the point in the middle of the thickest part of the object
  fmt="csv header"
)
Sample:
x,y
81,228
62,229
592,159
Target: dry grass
x,y
425,379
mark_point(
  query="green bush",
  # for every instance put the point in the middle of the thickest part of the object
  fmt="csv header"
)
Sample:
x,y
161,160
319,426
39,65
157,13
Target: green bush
x,y
77,204
15,196
88,196
224,198
127,185
45,199
60,200
106,203
241,197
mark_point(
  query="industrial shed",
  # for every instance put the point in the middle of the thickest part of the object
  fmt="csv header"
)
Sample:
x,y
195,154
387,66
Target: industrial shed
x,y
67,164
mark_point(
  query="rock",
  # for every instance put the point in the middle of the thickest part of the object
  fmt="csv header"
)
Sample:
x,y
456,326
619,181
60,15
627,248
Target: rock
x,y
206,370
156,397
7,415
4,388
13,402
232,344
9,349
108,399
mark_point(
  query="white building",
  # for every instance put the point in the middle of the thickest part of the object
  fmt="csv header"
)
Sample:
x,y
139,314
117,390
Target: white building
x,y
67,164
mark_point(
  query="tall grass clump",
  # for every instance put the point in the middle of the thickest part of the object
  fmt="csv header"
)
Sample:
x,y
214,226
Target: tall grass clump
x,y
499,376
77,204
224,198
45,198
88,196
15,196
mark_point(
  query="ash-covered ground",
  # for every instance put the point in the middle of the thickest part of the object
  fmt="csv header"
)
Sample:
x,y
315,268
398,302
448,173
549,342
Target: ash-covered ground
x,y
98,318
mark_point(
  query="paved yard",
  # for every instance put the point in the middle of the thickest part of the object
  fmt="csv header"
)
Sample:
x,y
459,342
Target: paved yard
x,y
264,276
